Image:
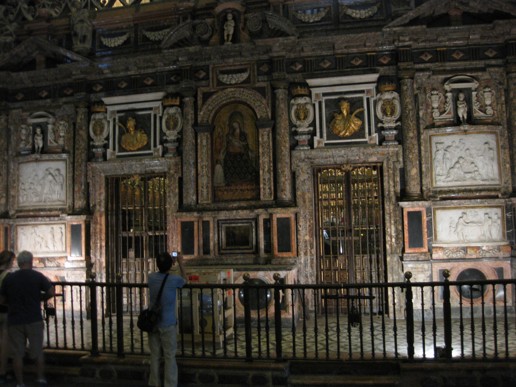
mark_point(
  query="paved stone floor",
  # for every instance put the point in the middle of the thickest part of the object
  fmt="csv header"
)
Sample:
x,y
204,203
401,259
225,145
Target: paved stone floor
x,y
375,336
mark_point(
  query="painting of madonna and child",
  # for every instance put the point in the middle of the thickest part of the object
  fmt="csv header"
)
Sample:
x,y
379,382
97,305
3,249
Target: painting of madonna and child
x,y
235,154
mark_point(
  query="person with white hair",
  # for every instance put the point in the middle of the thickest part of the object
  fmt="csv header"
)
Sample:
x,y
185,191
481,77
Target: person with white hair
x,y
23,291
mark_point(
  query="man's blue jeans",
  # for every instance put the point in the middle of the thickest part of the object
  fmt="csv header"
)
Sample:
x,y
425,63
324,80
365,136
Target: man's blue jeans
x,y
163,343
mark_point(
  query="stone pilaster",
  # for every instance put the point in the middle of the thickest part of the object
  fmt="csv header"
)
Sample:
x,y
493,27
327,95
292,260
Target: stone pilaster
x,y
4,136
266,160
204,167
80,190
511,104
410,138
282,150
189,152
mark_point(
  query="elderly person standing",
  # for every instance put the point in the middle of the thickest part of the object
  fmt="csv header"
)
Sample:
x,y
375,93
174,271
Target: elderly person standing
x,y
6,262
24,290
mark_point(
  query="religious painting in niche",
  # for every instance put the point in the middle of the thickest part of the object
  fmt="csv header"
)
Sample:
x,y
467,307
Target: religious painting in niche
x,y
133,132
461,160
345,120
42,184
235,153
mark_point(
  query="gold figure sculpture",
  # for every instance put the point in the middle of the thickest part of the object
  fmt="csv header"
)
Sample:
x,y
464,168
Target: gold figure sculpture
x,y
344,124
133,139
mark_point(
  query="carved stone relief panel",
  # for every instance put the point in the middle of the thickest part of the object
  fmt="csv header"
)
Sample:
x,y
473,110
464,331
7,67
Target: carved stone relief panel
x,y
42,184
467,160
42,239
469,225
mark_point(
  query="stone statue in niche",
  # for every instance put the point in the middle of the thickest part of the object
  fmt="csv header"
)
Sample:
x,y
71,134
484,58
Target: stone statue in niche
x,y
38,140
229,28
462,101
462,108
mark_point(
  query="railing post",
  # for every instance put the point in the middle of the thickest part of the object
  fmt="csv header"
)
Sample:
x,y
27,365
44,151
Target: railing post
x,y
119,315
409,316
92,284
277,317
447,316
247,319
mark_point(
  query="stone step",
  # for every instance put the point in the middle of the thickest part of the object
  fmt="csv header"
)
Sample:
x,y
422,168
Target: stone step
x,y
342,381
323,367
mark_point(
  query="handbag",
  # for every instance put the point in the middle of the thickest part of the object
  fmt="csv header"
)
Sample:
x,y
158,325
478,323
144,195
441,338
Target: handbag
x,y
149,317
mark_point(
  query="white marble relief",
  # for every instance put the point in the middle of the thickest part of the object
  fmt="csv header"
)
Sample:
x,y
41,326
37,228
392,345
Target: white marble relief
x,y
469,225
42,183
43,239
465,160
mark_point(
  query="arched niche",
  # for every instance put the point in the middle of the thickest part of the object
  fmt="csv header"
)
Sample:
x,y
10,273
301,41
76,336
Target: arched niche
x,y
250,110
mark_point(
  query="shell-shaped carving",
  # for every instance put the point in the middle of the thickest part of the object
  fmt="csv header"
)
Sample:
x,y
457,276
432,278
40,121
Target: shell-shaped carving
x,y
156,36
360,13
233,79
311,15
115,41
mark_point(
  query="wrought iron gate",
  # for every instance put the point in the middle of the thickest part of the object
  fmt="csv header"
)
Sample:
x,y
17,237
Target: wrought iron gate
x,y
350,234
136,225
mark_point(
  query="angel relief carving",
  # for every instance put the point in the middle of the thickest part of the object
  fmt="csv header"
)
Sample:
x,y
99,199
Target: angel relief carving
x,y
42,184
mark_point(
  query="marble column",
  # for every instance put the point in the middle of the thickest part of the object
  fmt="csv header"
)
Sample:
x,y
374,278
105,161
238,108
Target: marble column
x,y
266,160
282,149
80,190
511,104
410,137
204,167
189,157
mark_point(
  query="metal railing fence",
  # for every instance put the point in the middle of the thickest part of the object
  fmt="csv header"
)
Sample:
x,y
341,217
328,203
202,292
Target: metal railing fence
x,y
472,320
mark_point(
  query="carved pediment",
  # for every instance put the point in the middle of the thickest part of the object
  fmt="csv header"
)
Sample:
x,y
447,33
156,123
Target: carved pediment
x,y
443,13
36,48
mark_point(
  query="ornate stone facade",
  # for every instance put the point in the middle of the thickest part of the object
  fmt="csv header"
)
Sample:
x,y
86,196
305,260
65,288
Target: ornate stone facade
x,y
238,105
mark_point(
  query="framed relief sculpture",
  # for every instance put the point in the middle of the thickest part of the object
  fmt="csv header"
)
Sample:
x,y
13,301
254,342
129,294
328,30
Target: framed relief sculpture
x,y
465,160
43,240
469,225
42,184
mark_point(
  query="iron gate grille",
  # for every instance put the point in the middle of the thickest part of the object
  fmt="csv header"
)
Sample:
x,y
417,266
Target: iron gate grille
x,y
350,234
